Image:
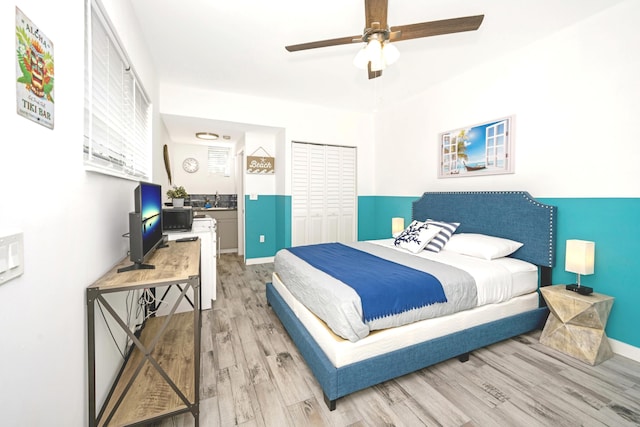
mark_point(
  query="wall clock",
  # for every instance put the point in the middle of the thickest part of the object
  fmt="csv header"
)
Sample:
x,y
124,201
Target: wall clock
x,y
190,165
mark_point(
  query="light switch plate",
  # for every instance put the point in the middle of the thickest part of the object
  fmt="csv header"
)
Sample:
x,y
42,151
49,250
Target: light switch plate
x,y
11,255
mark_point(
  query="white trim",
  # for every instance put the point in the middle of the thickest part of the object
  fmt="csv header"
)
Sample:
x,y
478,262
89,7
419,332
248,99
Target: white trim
x,y
252,261
625,350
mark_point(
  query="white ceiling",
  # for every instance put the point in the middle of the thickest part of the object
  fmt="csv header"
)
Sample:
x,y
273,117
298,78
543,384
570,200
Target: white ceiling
x,y
238,46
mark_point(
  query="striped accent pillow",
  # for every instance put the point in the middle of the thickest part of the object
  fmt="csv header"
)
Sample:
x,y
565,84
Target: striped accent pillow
x,y
447,229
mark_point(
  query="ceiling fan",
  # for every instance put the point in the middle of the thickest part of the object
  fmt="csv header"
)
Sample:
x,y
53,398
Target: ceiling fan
x,y
378,51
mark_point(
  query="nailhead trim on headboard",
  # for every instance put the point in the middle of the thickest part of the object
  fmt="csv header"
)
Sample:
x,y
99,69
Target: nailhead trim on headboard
x,y
496,218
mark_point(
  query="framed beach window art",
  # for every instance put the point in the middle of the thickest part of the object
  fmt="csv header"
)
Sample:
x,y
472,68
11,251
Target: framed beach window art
x,y
482,149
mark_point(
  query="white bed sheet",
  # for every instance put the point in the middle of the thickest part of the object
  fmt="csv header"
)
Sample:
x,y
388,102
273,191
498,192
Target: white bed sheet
x,y
497,280
343,352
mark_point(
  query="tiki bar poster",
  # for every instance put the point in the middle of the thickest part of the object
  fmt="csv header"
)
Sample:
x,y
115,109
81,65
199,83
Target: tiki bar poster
x,y
34,72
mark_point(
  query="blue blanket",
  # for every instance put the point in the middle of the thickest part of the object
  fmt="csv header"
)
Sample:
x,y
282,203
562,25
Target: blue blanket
x,y
385,287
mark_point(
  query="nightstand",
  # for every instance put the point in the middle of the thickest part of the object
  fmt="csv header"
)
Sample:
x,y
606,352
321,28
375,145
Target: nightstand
x,y
576,324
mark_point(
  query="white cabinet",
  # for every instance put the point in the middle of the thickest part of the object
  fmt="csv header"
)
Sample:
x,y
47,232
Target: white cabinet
x,y
324,194
205,229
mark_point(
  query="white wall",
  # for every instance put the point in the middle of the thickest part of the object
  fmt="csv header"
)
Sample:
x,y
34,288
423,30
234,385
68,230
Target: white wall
x,y
576,98
301,122
573,93
255,144
201,181
72,222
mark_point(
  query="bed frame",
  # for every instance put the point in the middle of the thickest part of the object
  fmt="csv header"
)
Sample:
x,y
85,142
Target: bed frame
x,y
510,214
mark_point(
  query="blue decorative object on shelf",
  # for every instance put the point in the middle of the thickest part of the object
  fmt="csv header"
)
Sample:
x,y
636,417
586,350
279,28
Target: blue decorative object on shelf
x,y
207,201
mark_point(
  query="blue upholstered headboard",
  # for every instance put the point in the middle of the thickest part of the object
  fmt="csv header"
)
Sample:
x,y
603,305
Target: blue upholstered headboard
x,y
513,215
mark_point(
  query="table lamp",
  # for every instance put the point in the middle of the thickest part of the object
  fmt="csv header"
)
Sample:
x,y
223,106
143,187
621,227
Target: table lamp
x,y
397,226
580,260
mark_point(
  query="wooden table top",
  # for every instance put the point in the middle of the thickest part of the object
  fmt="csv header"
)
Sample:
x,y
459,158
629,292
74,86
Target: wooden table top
x,y
561,291
178,262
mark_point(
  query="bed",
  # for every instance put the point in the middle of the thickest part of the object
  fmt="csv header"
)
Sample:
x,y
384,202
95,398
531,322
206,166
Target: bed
x,y
344,364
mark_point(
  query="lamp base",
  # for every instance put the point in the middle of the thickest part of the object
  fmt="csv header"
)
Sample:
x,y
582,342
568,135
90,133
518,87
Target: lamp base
x,y
582,290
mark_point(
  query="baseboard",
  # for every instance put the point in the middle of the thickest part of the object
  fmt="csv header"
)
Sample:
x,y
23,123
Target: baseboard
x,y
625,350
229,251
252,261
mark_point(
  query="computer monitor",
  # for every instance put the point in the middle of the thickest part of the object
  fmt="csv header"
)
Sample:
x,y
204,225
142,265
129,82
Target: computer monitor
x,y
145,226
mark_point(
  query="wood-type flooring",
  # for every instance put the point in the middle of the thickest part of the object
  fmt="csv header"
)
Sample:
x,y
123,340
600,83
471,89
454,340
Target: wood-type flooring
x,y
253,375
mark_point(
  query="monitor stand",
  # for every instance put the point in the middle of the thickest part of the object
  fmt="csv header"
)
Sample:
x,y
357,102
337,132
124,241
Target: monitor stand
x,y
164,243
136,266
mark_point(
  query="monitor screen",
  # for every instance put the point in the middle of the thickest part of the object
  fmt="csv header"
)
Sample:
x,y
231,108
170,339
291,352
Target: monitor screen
x,y
151,215
145,225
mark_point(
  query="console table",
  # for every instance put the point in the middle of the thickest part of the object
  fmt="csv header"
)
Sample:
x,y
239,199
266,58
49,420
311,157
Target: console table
x,y
161,374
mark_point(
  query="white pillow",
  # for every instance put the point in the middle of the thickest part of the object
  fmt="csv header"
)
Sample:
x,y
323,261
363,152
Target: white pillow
x,y
481,245
416,236
446,231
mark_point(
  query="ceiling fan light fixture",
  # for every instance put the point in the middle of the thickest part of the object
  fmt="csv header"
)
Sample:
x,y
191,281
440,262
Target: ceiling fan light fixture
x,y
371,52
361,60
374,48
390,53
377,65
379,53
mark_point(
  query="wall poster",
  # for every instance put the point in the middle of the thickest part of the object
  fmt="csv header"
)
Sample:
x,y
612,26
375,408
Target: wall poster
x,y
482,149
34,72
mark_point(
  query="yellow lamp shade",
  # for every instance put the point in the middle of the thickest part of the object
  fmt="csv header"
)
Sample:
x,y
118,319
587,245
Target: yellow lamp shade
x,y
397,225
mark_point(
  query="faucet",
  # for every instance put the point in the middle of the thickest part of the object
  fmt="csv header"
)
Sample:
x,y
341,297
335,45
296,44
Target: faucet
x,y
216,201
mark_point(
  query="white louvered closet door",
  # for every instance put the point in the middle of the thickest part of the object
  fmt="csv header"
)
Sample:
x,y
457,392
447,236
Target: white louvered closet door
x,y
347,231
323,194
299,194
316,195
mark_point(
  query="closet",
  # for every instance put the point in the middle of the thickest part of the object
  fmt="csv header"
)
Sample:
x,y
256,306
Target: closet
x,y
323,194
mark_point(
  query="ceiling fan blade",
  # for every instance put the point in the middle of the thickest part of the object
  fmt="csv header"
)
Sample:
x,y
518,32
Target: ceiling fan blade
x,y
375,11
373,74
324,43
436,28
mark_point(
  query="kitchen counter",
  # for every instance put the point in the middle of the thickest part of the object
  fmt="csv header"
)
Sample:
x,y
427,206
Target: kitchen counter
x,y
214,209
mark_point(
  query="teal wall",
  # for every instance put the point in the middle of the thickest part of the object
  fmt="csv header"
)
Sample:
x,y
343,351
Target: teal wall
x,y
283,224
375,213
269,215
612,223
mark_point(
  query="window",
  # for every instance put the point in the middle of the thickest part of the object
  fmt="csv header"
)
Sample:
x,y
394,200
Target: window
x,y
218,162
117,115
495,137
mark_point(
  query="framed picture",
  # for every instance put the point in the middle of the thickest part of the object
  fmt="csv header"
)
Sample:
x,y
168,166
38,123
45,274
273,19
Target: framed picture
x,y
482,149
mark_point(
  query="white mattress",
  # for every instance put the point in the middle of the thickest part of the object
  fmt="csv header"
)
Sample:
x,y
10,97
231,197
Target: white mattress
x,y
343,352
340,307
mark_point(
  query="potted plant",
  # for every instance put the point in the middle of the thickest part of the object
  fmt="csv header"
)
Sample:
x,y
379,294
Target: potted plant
x,y
177,194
